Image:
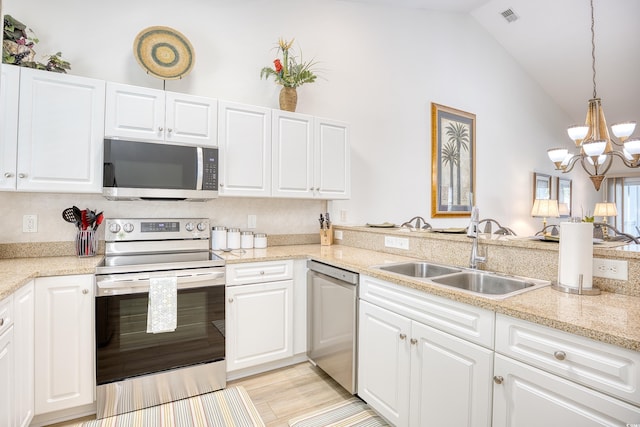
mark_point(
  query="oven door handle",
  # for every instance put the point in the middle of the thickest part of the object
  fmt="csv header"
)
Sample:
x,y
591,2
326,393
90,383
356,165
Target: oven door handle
x,y
132,285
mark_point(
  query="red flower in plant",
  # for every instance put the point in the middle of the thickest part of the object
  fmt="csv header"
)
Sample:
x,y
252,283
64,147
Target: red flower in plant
x,y
278,65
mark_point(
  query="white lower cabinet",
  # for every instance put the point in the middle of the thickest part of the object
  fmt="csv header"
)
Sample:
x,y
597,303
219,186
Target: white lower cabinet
x,y
7,371
546,377
414,374
64,343
259,316
529,397
24,329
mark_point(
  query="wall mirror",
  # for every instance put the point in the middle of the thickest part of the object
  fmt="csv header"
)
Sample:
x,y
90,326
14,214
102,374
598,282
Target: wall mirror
x,y
541,186
563,188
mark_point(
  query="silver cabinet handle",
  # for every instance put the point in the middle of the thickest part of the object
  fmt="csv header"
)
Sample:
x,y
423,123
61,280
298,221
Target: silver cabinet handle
x,y
221,185
160,129
262,273
414,341
1,321
403,336
230,300
85,291
169,130
8,175
22,175
560,355
498,379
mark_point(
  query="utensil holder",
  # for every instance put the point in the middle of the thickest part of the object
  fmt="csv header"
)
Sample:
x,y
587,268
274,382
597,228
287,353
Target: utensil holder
x,y
326,236
86,243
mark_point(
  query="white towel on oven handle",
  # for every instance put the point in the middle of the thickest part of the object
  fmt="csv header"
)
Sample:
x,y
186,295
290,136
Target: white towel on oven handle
x,y
162,312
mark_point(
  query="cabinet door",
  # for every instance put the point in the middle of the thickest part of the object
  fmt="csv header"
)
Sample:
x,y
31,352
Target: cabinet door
x,y
7,378
64,343
9,97
451,380
292,150
134,112
383,362
60,133
332,163
24,309
260,323
529,397
244,138
191,119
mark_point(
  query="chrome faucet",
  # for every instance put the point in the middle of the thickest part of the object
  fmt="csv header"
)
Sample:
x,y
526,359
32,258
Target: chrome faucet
x,y
472,231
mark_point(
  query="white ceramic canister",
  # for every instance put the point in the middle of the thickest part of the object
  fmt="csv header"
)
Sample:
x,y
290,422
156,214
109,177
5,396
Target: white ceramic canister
x,y
259,240
218,237
233,238
246,240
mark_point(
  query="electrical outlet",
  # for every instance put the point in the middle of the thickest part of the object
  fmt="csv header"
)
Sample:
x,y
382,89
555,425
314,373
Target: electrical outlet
x,y
337,234
610,269
396,242
251,221
343,216
30,223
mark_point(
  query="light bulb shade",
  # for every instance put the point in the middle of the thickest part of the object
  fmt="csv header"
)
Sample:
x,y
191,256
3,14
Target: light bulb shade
x,y
623,130
545,208
594,148
577,132
599,160
632,146
605,209
567,159
557,154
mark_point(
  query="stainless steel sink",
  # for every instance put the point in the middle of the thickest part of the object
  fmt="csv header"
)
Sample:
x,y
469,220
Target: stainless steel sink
x,y
489,284
485,283
419,269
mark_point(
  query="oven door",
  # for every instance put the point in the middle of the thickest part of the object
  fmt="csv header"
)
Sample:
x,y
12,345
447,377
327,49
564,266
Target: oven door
x,y
124,349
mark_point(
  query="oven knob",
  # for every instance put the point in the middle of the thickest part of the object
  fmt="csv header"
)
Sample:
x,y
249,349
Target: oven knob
x,y
128,227
114,228
189,226
202,226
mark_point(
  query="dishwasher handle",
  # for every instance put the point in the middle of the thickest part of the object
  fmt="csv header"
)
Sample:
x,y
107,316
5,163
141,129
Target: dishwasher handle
x,y
335,272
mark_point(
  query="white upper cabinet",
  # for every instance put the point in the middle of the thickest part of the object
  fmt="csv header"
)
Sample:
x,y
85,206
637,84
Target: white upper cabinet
x,y
60,132
332,163
310,157
293,153
245,150
9,98
141,113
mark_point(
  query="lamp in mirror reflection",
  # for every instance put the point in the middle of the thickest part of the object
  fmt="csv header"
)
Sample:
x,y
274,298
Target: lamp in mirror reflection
x,y
596,147
545,208
605,210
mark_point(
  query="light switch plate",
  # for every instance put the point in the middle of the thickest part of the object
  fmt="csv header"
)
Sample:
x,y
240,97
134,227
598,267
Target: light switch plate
x,y
610,269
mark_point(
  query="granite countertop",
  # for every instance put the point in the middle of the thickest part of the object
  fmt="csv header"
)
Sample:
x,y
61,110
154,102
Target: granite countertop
x,y
610,318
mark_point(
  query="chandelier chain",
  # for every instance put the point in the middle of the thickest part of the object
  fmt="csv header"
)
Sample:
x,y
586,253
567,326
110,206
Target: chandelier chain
x,y
593,51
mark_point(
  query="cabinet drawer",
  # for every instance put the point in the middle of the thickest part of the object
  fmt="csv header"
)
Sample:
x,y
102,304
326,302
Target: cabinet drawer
x,y
462,320
604,367
6,313
259,272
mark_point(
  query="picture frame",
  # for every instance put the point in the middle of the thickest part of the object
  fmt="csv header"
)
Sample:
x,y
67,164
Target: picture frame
x,y
563,192
453,161
541,186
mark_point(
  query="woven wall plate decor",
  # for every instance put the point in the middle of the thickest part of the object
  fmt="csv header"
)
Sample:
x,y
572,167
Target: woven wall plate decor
x,y
164,52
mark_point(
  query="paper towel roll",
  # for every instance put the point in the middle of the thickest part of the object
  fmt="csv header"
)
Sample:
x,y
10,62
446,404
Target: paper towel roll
x,y
576,254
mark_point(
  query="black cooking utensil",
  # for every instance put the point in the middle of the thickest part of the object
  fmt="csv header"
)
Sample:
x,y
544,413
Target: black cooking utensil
x,y
78,215
69,216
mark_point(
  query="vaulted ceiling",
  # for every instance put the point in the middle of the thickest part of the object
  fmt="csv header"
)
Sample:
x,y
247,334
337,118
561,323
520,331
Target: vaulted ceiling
x,y
551,40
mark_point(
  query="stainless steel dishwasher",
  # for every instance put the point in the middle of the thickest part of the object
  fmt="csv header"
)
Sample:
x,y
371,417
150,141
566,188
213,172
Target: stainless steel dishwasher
x,y
332,297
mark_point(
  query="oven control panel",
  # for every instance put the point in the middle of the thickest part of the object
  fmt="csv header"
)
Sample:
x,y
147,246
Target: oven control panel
x,y
132,229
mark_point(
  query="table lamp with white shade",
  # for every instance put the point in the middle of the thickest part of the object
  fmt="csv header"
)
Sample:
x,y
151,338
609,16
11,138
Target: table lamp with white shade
x,y
545,208
605,209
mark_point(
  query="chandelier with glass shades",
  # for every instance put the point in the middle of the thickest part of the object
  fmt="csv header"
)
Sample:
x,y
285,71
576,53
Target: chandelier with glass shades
x,y
597,148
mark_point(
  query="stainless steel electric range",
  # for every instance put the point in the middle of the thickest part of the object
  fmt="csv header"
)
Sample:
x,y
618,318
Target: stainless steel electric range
x,y
137,367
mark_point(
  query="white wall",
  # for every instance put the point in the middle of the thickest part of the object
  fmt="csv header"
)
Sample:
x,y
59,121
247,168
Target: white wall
x,y
381,69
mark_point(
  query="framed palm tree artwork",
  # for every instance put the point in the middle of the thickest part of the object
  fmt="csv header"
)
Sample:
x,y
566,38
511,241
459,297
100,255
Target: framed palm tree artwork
x,y
453,161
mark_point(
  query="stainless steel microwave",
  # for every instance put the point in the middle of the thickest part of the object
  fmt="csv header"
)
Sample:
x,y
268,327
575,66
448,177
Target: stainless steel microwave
x,y
159,171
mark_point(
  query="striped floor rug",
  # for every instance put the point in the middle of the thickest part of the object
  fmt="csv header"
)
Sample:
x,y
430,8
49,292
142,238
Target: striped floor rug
x,y
351,413
230,407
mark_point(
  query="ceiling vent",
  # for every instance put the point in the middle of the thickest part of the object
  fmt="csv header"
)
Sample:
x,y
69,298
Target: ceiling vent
x,y
509,15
